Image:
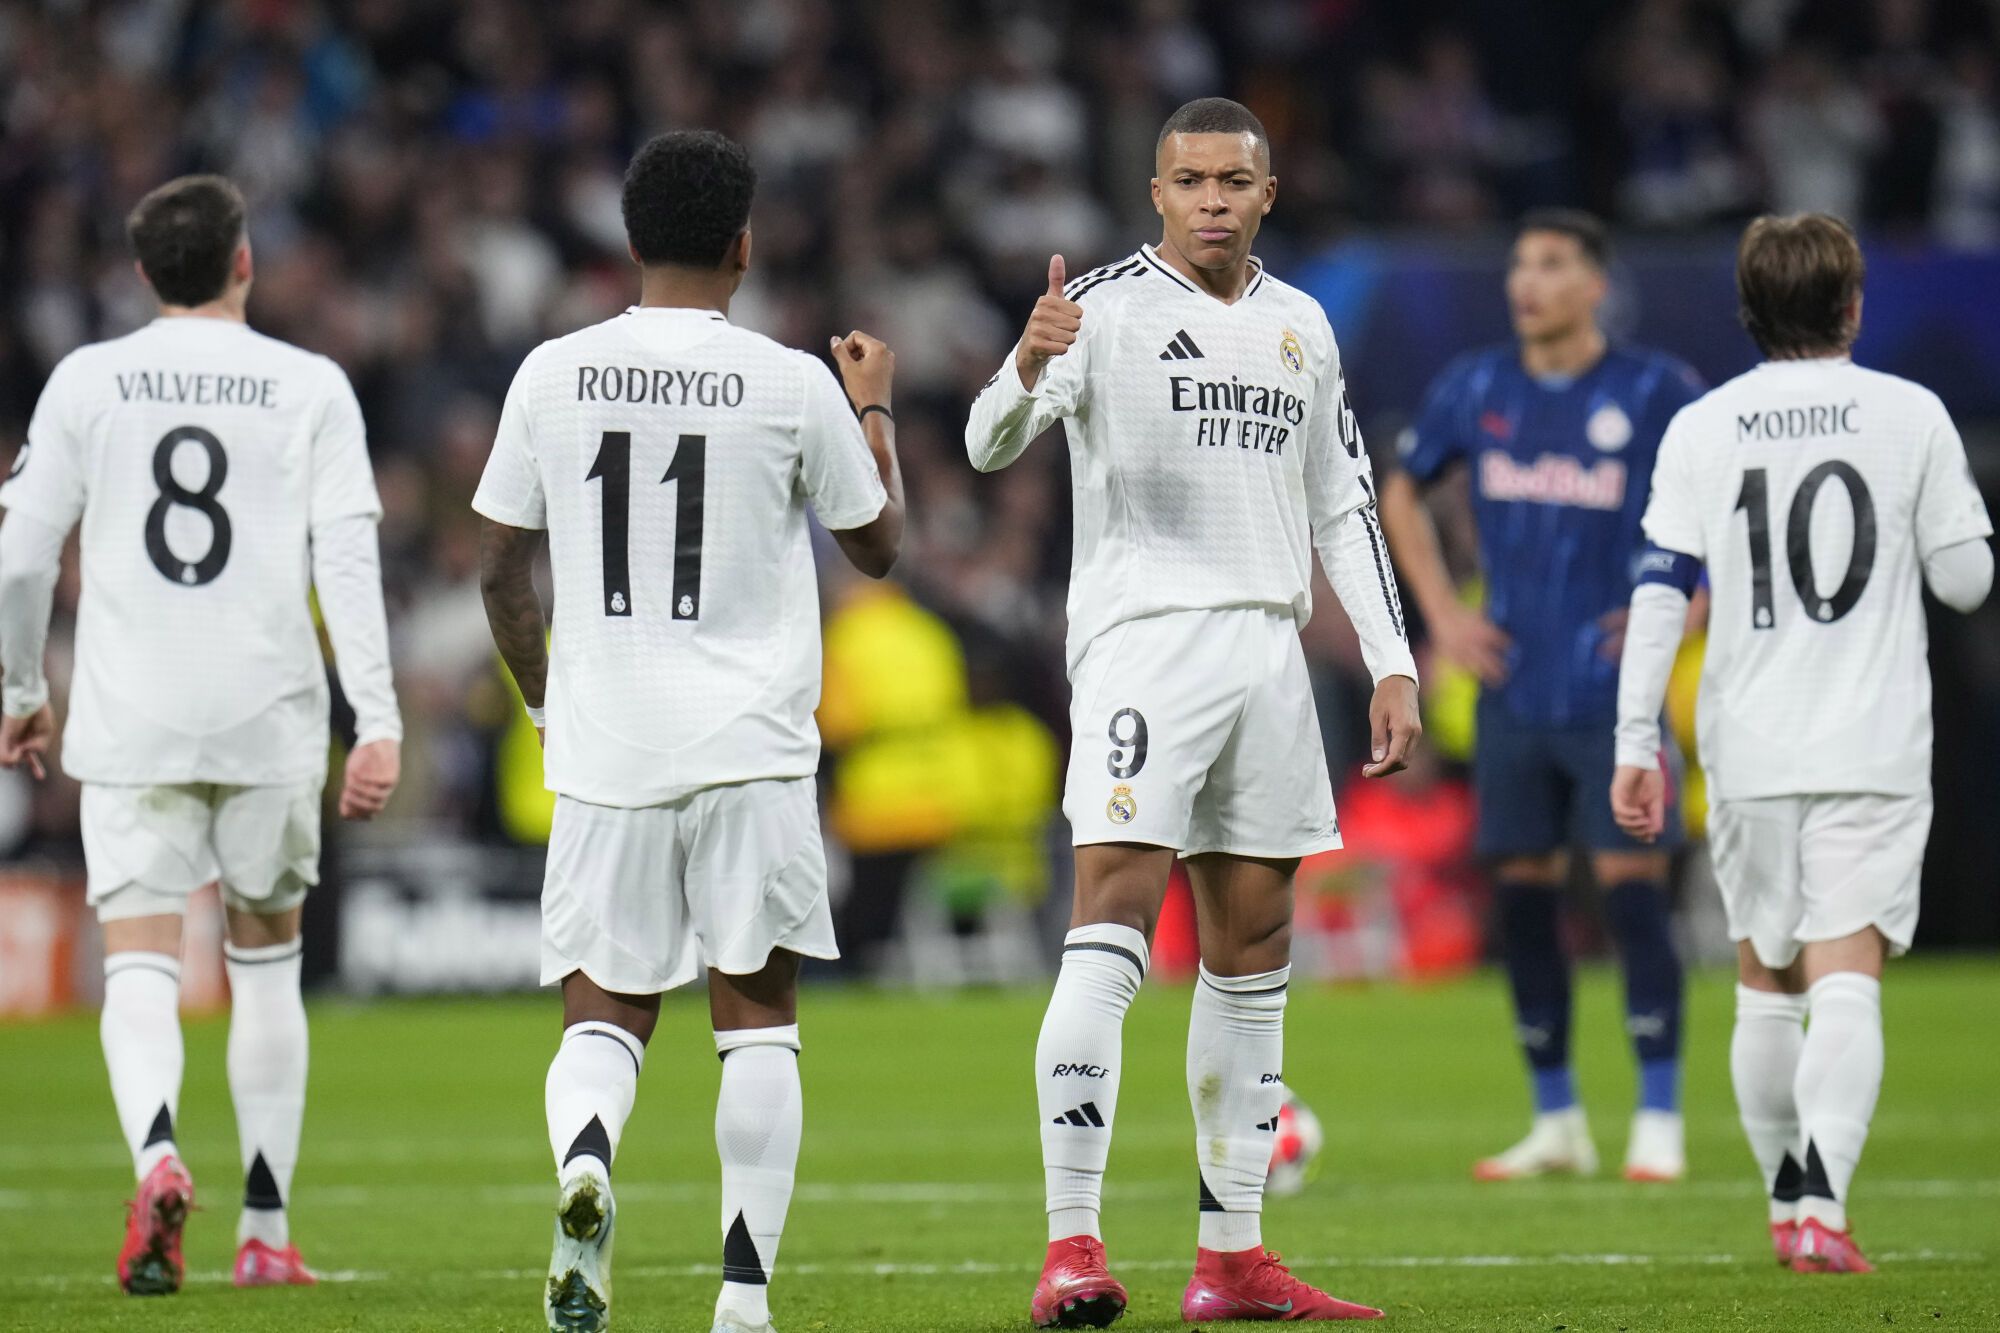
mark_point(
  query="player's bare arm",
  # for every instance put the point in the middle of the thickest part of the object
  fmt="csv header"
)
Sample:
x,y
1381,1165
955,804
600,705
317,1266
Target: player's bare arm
x,y
1053,328
1462,633
513,607
867,371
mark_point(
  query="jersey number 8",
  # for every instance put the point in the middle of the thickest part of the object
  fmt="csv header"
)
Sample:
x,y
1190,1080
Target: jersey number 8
x,y
188,573
613,466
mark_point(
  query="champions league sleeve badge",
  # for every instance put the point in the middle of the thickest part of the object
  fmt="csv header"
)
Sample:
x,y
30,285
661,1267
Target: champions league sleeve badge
x,y
1123,807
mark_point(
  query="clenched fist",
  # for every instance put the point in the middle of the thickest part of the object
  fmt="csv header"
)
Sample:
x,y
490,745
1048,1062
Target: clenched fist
x,y
867,368
1052,330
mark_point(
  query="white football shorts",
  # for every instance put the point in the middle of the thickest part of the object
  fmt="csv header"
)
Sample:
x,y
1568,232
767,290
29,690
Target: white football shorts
x,y
1800,869
1196,730
145,849
640,900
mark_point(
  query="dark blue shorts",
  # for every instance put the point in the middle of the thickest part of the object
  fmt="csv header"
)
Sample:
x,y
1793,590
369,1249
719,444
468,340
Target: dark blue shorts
x,y
1544,789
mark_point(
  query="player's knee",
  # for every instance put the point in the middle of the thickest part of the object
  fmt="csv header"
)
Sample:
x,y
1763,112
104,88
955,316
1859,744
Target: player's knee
x,y
768,997
1541,869
584,1001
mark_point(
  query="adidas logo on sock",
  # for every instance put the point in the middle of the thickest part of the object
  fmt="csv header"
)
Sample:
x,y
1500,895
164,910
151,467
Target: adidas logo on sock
x,y
1270,1125
1083,1117
1182,348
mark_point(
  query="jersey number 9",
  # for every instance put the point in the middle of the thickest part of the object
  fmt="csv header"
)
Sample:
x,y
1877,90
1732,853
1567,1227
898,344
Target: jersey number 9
x,y
1128,734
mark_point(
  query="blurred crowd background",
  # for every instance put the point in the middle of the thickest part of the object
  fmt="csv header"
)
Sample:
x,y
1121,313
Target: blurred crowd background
x,y
435,189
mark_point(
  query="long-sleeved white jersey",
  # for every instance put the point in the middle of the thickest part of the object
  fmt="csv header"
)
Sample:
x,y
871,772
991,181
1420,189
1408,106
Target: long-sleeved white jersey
x,y
1814,492
218,474
1212,449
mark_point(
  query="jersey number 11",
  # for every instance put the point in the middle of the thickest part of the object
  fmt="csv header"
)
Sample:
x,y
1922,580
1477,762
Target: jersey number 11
x,y
613,467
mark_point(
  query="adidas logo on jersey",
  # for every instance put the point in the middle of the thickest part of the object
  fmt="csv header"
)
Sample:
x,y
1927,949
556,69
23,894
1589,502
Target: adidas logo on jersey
x,y
1182,348
1083,1117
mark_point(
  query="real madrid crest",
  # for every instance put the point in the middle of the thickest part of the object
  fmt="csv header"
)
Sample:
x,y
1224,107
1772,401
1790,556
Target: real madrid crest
x,y
1123,807
1291,353
1609,429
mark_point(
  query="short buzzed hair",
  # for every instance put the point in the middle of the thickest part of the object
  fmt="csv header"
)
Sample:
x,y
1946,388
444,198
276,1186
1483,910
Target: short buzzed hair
x,y
1586,229
184,235
1797,279
1214,115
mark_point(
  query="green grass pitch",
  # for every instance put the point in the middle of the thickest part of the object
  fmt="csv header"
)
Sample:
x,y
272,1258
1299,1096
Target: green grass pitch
x,y
426,1186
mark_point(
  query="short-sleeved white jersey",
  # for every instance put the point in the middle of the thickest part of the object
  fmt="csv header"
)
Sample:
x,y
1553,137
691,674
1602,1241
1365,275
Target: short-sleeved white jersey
x,y
199,455
1211,446
1813,491
671,457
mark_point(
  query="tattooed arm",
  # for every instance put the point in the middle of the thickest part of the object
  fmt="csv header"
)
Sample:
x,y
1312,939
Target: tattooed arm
x,y
513,608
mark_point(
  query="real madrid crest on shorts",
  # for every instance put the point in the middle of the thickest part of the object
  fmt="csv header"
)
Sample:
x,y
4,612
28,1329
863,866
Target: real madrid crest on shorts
x,y
1123,807
1609,428
1291,353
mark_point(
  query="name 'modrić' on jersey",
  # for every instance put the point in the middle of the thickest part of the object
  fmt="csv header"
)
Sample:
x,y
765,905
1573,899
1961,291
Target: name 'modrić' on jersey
x,y
200,456
671,457
1813,490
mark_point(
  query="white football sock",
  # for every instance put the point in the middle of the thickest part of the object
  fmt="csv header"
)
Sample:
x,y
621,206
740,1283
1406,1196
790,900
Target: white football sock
x,y
267,1081
1840,1076
141,1031
1076,1069
1236,1080
1764,1063
592,1084
759,1116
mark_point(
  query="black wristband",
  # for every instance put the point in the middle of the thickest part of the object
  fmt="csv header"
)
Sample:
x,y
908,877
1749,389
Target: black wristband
x,y
874,407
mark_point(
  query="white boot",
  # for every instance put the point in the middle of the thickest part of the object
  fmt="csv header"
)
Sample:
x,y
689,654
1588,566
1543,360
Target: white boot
x,y
1558,1141
1657,1151
578,1299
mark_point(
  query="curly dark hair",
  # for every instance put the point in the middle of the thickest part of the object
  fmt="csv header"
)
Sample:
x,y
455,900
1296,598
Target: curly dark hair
x,y
184,235
687,196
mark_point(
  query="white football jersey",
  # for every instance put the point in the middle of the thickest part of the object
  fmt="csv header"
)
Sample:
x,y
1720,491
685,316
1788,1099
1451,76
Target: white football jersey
x,y
671,457
1211,445
1813,491
199,455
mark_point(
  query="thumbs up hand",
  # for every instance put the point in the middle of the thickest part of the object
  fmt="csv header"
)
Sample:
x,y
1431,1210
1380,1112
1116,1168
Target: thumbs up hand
x,y
1052,329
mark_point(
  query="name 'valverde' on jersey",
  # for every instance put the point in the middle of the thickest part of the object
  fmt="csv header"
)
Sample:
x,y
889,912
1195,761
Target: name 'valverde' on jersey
x,y
1208,443
1559,470
671,457
1814,491
201,456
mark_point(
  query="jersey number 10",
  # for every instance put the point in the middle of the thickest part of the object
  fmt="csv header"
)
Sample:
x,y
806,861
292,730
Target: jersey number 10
x,y
613,467
1755,501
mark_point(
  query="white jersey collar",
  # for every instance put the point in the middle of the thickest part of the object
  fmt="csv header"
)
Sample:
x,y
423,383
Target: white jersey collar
x,y
1152,257
677,311
1806,362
